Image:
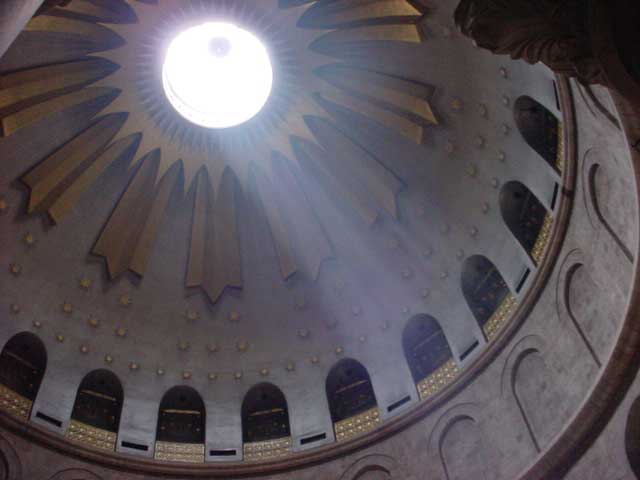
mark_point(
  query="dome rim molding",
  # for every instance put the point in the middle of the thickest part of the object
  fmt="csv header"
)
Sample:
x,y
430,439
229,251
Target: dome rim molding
x,y
55,441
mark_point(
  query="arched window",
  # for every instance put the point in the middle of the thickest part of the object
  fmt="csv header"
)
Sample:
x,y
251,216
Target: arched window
x,y
350,394
265,415
98,405
22,364
181,420
540,129
484,289
632,437
525,216
426,349
265,423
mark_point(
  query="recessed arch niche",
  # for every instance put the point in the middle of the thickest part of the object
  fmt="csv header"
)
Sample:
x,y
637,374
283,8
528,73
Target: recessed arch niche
x,y
266,432
526,217
23,361
352,401
96,410
180,436
632,437
486,293
428,354
540,129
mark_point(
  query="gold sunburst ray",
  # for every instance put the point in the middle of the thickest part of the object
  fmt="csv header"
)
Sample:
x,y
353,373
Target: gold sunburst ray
x,y
278,147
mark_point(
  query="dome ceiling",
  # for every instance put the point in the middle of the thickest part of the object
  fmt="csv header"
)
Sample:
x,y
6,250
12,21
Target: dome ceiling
x,y
378,184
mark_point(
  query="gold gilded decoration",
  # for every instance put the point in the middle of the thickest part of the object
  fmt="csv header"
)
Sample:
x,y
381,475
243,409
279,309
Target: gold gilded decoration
x,y
125,301
542,241
15,269
561,149
357,425
85,283
500,317
179,452
91,436
214,258
267,450
439,379
128,237
3,205
29,239
15,404
164,152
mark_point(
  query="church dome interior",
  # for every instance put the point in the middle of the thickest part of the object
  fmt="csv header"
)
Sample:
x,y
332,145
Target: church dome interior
x,y
311,239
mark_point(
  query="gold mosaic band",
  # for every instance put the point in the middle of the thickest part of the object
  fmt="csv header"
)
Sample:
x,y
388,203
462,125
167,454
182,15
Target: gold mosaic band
x,y
543,239
15,404
91,436
439,379
179,452
357,425
500,317
267,450
561,149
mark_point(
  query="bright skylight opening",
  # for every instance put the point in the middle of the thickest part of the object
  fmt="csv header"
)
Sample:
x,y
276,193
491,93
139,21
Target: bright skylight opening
x,y
217,75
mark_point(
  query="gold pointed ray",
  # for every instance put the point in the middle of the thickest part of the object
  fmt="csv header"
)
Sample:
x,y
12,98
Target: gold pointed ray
x,y
25,88
114,11
337,43
31,115
89,31
397,103
344,12
71,195
127,239
56,172
214,256
325,169
354,161
279,233
411,97
310,243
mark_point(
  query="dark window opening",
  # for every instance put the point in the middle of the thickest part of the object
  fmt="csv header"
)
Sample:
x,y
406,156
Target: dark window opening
x,y
349,390
523,213
539,128
483,287
265,414
99,401
425,346
22,364
182,417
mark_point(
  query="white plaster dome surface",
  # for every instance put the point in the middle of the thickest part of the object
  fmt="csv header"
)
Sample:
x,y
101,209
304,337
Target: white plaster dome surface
x,y
217,75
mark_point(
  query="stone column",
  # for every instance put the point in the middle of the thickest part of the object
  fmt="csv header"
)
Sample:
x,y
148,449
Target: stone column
x,y
14,15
